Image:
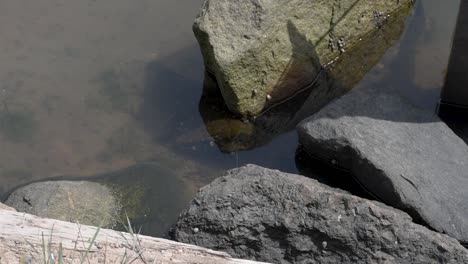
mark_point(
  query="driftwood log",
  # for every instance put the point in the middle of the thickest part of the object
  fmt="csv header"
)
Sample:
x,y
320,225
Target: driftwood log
x,y
26,238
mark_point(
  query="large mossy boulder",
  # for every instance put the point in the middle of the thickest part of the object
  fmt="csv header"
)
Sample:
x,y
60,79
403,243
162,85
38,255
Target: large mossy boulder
x,y
232,134
261,52
267,215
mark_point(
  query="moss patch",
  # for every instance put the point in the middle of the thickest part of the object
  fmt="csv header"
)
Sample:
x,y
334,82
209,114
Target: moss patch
x,y
130,198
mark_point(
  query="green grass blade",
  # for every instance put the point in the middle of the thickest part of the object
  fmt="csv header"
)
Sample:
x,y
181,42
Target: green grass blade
x,y
60,254
90,245
44,249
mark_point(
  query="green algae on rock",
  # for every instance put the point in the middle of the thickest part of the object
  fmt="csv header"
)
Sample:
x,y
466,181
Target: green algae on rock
x,y
264,51
149,194
83,202
232,134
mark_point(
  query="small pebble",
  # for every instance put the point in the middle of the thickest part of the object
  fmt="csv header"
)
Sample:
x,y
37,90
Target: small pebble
x,y
196,230
268,97
324,244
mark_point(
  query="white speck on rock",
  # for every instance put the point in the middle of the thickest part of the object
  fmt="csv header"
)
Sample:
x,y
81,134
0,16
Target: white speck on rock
x,y
324,244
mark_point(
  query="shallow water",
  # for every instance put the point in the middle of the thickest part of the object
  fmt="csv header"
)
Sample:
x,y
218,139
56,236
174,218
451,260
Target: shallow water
x,y
95,86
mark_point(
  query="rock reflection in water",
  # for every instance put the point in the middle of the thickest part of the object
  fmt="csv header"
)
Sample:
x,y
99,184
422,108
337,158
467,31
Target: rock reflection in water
x,y
232,134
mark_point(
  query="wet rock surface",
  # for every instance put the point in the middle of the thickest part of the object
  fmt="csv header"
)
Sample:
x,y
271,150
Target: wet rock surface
x,y
405,156
84,202
262,52
231,133
267,215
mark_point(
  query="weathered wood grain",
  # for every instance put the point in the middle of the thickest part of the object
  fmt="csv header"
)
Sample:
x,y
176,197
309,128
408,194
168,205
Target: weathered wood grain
x,y
24,239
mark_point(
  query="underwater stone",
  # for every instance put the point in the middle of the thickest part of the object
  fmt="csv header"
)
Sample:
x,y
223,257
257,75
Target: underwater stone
x,y
88,203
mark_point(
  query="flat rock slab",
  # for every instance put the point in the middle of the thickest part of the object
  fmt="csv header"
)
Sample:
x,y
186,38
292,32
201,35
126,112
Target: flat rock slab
x,y
405,156
267,215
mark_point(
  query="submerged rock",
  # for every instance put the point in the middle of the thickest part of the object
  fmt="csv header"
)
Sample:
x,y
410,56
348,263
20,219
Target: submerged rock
x,y
267,215
150,194
264,51
405,156
88,203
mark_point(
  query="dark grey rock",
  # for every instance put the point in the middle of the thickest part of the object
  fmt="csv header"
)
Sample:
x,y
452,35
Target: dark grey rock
x,y
405,156
267,215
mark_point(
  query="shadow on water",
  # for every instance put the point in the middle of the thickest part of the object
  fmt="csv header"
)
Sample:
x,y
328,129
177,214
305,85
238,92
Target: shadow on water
x,y
170,115
170,93
169,110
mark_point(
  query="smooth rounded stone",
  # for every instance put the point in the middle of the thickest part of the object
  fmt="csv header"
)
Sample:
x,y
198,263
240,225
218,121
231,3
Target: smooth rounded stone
x,y
266,215
150,194
405,156
83,202
262,52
